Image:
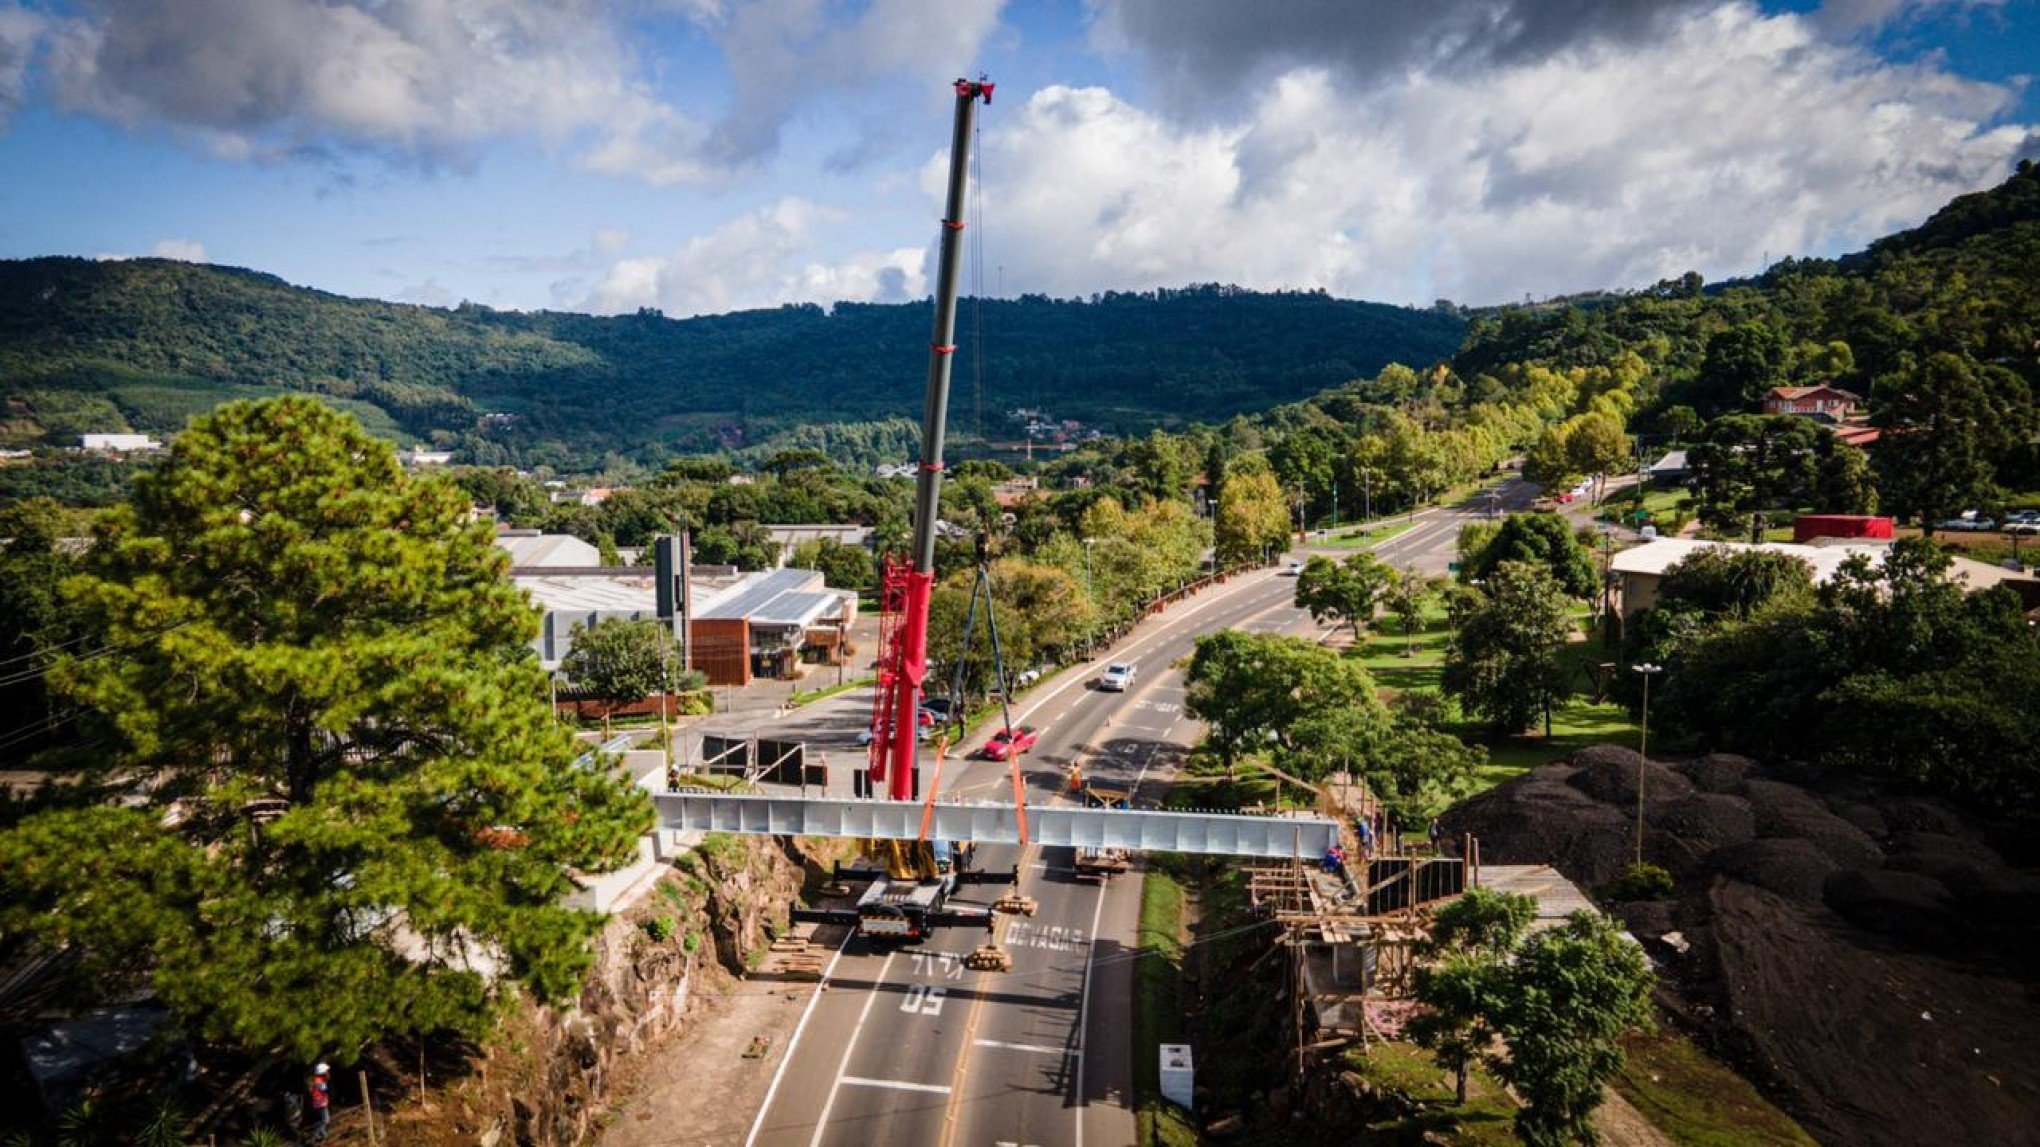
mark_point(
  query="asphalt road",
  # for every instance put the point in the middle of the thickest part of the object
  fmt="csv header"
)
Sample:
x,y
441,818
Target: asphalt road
x,y
903,1044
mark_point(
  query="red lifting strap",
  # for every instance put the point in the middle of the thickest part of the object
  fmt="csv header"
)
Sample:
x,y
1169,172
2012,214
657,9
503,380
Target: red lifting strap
x,y
933,467
938,348
953,224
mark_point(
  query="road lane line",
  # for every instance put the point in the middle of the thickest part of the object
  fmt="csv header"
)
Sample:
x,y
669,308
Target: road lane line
x,y
895,1084
1037,1048
849,1045
793,1044
1084,1008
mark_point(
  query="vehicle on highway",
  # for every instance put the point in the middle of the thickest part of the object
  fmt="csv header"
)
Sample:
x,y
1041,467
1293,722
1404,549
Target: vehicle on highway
x,y
1102,863
1292,568
1968,522
920,732
1118,677
1010,741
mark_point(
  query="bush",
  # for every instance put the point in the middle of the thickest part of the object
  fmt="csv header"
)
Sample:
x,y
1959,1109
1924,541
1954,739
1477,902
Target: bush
x,y
659,928
1638,882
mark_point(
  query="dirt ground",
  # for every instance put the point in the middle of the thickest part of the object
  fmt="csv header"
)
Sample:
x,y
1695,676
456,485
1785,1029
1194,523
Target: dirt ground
x,y
699,1089
1864,956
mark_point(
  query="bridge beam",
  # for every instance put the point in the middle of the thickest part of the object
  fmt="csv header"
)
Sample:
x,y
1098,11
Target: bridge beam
x,y
1210,833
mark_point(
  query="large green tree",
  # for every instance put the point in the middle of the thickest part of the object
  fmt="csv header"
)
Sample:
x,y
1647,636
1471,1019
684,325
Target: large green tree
x,y
1252,516
1255,690
1945,432
1748,465
1545,540
1464,975
619,661
1502,661
1569,995
1345,591
354,815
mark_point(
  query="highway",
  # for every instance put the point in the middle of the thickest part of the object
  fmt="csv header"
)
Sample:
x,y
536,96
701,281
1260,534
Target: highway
x,y
904,1045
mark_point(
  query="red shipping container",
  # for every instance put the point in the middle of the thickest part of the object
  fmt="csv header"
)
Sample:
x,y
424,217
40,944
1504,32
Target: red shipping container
x,y
1809,526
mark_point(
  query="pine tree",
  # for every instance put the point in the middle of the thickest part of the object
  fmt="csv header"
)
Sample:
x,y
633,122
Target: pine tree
x,y
357,817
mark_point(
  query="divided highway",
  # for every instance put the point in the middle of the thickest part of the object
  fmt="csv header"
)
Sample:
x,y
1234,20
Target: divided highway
x,y
904,1045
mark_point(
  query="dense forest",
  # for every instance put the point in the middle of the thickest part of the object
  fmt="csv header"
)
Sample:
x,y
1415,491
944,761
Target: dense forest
x,y
144,344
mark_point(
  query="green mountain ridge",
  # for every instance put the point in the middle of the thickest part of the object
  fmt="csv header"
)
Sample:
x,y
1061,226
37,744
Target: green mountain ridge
x,y
144,344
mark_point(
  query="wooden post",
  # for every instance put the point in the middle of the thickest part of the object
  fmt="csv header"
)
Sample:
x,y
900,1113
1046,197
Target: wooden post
x,y
367,1107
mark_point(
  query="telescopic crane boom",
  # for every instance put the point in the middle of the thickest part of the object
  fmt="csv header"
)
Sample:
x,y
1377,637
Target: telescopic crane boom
x,y
893,746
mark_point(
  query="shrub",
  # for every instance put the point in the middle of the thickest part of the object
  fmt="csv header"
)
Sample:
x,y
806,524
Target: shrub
x,y
1639,882
659,928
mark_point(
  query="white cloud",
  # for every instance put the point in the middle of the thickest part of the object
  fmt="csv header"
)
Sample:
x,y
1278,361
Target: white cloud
x,y
782,53
610,240
419,78
1731,135
183,250
20,32
431,80
760,259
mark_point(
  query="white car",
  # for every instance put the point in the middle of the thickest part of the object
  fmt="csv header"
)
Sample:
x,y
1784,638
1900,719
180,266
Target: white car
x,y
1293,569
1118,677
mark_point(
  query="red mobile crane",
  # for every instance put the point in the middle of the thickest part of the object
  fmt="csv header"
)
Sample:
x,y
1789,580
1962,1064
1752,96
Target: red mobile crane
x,y
912,894
906,586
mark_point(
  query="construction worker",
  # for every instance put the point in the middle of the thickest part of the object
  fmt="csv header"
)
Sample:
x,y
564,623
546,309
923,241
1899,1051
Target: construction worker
x,y
321,1102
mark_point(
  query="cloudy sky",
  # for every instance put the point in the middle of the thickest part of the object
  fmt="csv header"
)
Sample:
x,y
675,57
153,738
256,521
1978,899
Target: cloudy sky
x,y
709,155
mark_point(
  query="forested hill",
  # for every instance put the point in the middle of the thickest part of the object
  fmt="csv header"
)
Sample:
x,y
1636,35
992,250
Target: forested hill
x,y
143,344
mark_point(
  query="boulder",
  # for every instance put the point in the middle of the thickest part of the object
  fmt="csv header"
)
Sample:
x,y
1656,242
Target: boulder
x,y
1907,904
1718,772
1791,868
1609,774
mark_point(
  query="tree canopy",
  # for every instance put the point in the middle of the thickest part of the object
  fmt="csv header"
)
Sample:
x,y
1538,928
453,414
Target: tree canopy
x,y
1502,661
353,813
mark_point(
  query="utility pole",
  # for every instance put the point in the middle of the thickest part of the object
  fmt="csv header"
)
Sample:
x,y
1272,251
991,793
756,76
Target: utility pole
x,y
1647,670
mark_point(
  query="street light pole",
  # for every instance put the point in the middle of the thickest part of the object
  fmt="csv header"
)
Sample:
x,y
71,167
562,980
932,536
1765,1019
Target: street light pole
x,y
1647,670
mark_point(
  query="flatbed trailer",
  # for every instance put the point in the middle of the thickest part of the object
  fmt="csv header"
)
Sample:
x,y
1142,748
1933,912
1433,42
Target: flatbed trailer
x,y
1103,863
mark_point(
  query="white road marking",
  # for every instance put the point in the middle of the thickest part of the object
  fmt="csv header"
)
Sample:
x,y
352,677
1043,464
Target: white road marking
x,y
895,1084
1084,1009
780,1072
849,1045
1037,1048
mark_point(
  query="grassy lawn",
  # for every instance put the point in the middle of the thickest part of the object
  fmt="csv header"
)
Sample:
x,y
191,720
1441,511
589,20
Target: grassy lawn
x,y
1698,1102
1576,724
1488,1117
1353,539
812,695
1158,1013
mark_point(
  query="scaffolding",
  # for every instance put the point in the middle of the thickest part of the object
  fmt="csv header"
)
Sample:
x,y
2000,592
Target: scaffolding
x,y
1353,934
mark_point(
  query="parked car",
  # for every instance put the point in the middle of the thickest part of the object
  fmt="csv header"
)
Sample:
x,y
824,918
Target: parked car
x,y
2024,526
1118,677
920,734
1966,523
1292,568
939,708
1010,741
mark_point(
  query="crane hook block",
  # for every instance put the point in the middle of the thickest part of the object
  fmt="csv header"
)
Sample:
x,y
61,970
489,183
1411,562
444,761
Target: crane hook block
x,y
980,88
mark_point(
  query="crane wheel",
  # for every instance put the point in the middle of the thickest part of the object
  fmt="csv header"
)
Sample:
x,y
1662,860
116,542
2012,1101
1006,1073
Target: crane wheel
x,y
1015,905
989,958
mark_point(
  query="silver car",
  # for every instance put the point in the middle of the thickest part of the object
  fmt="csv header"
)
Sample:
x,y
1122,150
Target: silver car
x,y
1118,677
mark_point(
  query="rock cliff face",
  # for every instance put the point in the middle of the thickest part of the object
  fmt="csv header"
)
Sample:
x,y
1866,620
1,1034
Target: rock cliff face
x,y
1865,954
547,1076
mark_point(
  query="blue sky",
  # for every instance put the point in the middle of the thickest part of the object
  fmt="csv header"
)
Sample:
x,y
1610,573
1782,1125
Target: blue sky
x,y
707,155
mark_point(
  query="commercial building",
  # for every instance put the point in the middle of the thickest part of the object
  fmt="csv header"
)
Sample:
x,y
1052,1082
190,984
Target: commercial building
x,y
1640,570
744,625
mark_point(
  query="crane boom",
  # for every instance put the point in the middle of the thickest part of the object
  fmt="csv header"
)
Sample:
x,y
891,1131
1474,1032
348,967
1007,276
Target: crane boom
x,y
895,764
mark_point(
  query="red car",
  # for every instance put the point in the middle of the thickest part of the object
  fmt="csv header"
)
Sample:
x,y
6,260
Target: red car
x,y
1010,742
